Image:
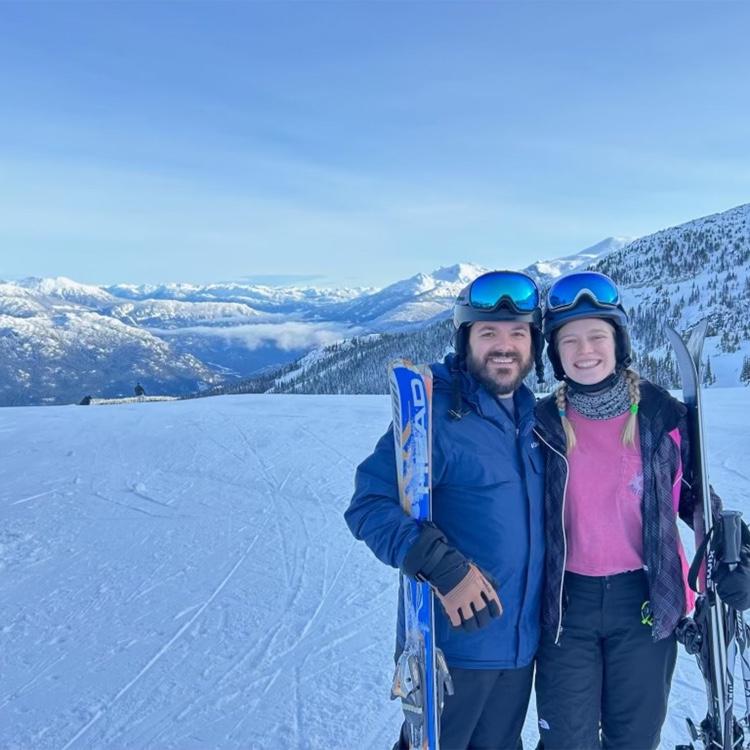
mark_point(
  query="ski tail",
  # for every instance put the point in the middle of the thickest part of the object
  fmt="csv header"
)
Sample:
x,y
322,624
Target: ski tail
x,y
743,651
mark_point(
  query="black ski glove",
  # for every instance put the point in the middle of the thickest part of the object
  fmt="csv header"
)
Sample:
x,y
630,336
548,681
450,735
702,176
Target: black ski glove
x,y
733,586
468,597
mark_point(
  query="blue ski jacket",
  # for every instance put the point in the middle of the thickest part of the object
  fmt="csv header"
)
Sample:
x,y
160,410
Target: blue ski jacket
x,y
488,499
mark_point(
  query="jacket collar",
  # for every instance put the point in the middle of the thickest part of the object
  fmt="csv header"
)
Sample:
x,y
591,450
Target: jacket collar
x,y
480,400
548,423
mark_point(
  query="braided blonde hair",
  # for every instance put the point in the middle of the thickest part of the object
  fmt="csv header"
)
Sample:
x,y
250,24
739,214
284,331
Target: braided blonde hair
x,y
562,405
634,389
628,432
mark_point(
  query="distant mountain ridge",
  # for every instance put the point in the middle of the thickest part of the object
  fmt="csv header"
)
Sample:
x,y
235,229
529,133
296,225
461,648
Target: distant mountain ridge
x,y
546,270
261,297
61,340
679,275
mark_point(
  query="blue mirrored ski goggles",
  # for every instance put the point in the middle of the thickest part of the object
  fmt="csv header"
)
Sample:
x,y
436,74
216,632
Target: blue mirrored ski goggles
x,y
566,291
518,289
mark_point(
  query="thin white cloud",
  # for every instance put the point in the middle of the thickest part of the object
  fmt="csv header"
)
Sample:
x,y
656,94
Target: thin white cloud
x,y
289,336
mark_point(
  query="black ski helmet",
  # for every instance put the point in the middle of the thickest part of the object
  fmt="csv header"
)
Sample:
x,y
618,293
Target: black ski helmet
x,y
586,305
505,308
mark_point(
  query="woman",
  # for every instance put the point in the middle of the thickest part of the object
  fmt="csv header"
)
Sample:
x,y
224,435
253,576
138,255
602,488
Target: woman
x,y
615,571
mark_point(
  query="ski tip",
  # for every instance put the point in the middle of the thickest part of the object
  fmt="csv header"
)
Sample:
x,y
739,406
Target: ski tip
x,y
400,362
700,328
695,341
403,363
692,340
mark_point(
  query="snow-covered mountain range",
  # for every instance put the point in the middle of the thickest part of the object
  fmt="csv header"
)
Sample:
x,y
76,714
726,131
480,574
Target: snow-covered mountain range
x,y
61,340
678,275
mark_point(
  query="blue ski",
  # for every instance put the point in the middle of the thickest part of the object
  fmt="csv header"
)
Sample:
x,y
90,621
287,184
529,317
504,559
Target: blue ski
x,y
421,673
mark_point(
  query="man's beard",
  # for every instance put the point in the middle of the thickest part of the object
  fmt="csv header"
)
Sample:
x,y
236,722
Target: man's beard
x,y
481,371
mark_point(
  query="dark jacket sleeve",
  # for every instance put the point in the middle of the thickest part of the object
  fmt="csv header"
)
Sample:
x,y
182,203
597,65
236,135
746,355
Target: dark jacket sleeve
x,y
375,515
689,495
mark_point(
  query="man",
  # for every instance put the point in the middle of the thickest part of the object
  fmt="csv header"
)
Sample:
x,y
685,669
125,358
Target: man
x,y
483,554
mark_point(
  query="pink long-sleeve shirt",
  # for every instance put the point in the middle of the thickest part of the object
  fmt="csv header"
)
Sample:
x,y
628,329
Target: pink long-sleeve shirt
x,y
603,518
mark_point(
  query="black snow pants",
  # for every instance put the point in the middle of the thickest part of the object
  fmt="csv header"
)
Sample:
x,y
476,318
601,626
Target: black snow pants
x,y
486,711
607,683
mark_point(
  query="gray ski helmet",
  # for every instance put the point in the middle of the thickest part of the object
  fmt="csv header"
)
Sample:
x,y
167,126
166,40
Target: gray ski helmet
x,y
506,295
586,305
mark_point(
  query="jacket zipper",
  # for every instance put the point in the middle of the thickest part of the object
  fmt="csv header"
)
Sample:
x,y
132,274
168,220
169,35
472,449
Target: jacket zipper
x,y
565,540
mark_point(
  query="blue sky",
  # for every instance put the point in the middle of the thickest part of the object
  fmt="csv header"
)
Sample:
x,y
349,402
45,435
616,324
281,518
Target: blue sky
x,y
358,143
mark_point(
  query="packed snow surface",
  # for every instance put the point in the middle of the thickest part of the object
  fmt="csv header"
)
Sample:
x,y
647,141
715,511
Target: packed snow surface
x,y
179,575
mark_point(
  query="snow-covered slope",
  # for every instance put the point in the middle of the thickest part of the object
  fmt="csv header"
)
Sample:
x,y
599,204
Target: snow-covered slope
x,y
53,356
60,341
18,302
700,269
179,576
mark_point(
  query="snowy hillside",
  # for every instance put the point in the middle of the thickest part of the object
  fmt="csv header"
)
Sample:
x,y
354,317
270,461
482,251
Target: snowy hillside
x,y
680,275
179,576
49,354
17,302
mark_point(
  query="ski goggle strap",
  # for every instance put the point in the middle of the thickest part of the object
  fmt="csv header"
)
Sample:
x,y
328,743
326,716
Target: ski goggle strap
x,y
518,289
566,291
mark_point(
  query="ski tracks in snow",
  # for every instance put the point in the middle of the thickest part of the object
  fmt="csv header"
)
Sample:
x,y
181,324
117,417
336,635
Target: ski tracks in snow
x,y
264,655
165,648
